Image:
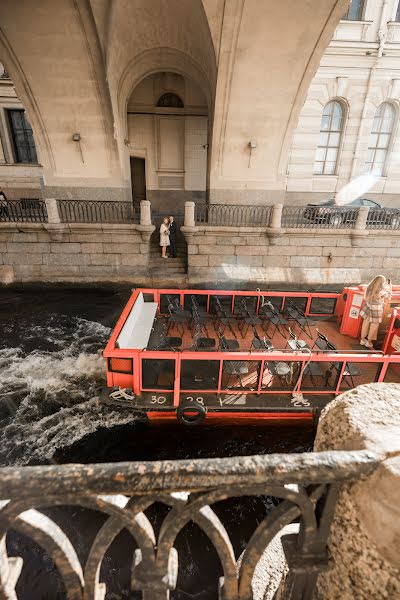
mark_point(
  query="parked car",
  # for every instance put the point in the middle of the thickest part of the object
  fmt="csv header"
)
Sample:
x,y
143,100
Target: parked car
x,y
329,212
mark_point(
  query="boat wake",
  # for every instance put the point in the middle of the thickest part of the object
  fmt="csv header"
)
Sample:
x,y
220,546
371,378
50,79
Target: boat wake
x,y
48,388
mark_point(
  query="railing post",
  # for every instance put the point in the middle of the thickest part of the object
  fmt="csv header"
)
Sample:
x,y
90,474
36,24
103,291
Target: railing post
x,y
189,214
145,212
276,216
53,215
362,216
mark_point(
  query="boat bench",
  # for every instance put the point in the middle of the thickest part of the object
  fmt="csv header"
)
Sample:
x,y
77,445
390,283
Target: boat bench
x,y
137,328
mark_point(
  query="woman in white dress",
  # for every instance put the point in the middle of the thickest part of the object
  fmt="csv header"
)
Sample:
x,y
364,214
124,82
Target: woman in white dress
x,y
164,237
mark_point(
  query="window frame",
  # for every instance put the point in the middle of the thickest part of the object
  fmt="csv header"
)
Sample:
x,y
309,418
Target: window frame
x,y
33,159
329,132
388,148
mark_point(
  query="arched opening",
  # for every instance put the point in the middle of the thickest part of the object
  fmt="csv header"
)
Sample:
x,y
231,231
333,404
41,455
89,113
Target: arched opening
x,y
167,124
170,100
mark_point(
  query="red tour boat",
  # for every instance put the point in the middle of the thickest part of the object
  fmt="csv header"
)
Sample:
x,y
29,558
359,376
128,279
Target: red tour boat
x,y
219,356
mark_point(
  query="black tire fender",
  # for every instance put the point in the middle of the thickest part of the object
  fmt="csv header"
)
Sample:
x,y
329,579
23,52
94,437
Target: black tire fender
x,y
194,419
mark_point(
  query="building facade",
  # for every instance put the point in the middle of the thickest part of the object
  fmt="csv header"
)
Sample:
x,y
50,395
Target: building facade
x,y
348,126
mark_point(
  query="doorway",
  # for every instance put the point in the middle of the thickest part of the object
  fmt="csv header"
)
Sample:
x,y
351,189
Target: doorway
x,y
138,178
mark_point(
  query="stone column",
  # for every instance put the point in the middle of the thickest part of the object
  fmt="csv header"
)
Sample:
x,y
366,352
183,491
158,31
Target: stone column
x,y
189,214
362,216
276,216
145,212
52,210
365,533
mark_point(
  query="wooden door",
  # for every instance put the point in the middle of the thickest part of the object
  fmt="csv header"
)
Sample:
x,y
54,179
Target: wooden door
x,y
138,177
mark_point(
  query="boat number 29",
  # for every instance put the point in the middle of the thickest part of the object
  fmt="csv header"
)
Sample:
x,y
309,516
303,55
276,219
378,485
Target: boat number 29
x,y
199,399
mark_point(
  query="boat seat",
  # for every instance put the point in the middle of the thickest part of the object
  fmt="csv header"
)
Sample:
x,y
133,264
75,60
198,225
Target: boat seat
x,y
138,326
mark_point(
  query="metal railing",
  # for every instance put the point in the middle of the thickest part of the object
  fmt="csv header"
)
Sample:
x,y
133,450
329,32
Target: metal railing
x,y
319,217
383,218
97,211
25,210
305,487
233,215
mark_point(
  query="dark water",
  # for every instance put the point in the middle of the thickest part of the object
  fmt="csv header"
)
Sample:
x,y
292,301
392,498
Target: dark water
x,y
51,371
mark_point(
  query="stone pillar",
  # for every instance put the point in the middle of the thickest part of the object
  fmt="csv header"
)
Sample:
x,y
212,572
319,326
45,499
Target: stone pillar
x,y
276,216
365,534
145,212
362,216
52,210
189,214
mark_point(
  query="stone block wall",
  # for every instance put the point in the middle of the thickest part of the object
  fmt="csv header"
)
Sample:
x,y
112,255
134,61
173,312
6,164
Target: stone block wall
x,y
85,253
228,256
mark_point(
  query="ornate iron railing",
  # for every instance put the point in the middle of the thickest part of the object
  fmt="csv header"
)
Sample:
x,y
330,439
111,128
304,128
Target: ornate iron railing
x,y
305,486
233,215
97,211
383,218
26,210
325,217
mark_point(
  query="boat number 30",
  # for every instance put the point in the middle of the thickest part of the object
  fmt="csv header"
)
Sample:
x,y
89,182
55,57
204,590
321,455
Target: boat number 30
x,y
158,400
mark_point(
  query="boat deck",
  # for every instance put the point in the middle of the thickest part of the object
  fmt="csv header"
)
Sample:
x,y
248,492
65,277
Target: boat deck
x,y
238,355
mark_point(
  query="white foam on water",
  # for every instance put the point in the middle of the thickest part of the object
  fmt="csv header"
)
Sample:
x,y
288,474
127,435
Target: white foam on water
x,y
51,395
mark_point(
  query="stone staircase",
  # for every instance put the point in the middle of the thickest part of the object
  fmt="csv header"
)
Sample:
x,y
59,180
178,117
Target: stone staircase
x,y
170,271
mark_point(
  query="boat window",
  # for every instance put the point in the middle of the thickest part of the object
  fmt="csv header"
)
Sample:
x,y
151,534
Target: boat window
x,y
225,302
323,306
200,299
158,374
280,375
240,374
298,302
276,301
332,374
164,301
251,303
199,375
148,297
392,374
120,365
358,373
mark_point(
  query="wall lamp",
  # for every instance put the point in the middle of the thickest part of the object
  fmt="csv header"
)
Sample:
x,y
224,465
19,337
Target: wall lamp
x,y
76,137
252,146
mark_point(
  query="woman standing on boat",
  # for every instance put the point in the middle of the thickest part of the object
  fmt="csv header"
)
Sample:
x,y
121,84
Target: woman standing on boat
x,y
372,312
164,237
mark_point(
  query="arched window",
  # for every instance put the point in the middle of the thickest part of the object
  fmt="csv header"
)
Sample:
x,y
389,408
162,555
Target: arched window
x,y
379,140
170,100
329,139
355,12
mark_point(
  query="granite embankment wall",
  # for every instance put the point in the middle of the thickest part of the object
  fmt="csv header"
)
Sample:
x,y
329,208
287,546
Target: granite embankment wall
x,y
222,255
31,252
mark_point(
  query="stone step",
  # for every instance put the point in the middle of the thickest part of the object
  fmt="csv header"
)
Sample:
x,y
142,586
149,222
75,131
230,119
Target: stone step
x,y
162,280
170,271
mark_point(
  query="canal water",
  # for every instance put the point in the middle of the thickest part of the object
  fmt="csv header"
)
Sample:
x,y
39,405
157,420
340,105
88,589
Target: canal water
x,y
51,372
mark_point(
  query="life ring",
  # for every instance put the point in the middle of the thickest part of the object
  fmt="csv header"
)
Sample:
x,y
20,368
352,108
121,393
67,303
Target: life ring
x,y
191,413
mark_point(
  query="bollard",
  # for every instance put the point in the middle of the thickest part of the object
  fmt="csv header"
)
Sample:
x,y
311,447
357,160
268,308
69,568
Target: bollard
x,y
189,214
276,216
145,212
53,216
362,216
